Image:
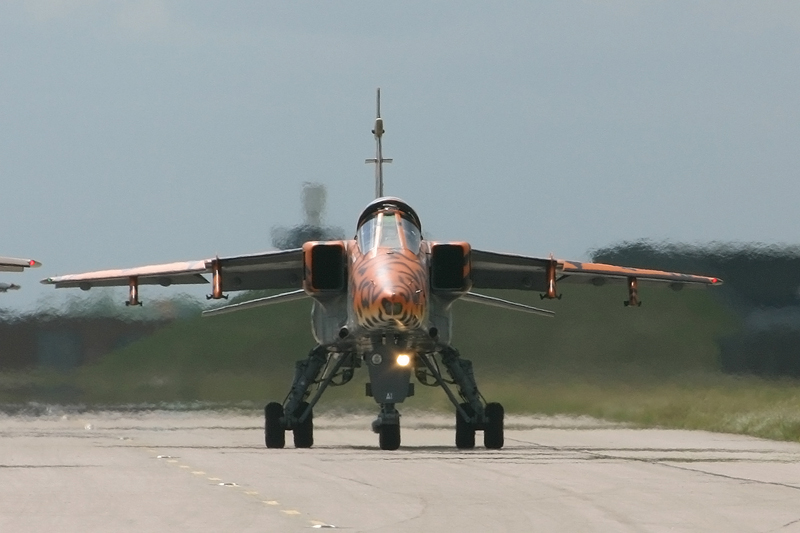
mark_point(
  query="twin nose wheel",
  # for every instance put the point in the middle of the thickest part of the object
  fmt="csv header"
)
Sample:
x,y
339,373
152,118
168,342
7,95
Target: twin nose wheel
x,y
389,436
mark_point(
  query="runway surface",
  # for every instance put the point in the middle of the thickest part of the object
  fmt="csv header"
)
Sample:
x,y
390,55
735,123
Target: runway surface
x,y
206,471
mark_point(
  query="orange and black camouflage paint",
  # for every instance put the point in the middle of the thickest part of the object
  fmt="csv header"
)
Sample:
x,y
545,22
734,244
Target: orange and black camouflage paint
x,y
389,289
216,269
600,269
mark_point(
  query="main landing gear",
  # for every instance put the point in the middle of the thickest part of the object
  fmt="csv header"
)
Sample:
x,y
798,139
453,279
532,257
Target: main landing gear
x,y
472,413
296,413
275,432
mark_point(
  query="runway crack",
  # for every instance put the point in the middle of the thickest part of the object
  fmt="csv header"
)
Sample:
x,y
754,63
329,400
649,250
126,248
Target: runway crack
x,y
787,524
662,462
726,476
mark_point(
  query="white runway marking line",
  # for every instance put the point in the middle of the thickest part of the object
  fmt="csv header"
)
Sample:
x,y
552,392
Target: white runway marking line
x,y
316,524
171,459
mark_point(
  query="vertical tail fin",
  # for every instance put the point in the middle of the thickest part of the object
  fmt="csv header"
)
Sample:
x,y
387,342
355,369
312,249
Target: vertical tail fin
x,y
378,160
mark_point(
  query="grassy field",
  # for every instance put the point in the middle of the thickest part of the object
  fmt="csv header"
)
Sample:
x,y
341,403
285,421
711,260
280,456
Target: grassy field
x,y
656,365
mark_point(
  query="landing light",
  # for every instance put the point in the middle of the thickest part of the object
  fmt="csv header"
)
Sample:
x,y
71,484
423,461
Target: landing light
x,y
403,359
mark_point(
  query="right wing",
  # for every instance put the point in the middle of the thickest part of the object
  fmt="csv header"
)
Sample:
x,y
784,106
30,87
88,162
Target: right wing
x,y
12,264
268,270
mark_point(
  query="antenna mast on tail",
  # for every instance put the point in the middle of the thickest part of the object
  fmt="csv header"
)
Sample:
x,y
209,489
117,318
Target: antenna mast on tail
x,y
378,160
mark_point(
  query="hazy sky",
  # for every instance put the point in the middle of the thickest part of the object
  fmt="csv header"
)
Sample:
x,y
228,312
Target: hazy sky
x,y
150,131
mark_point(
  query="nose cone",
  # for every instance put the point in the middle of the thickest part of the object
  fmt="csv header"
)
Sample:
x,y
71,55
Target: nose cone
x,y
392,304
389,291
397,309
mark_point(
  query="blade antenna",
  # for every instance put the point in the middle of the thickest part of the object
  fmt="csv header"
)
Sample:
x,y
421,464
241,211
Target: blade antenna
x,y
378,160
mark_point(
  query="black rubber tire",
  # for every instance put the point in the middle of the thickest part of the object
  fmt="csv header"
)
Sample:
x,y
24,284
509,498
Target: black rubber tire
x,y
493,430
465,430
274,433
389,437
304,433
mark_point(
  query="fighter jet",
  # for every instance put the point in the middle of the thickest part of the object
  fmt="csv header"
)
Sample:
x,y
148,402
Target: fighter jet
x,y
383,299
12,264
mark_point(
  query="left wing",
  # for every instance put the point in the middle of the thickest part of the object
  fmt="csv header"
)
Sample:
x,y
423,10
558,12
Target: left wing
x,y
268,270
12,264
493,270
600,273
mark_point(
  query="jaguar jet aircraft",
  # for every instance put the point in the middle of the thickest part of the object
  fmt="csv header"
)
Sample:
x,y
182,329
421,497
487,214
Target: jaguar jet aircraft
x,y
382,300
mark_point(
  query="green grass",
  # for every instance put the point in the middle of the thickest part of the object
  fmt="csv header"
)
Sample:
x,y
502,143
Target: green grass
x,y
748,406
713,402
653,366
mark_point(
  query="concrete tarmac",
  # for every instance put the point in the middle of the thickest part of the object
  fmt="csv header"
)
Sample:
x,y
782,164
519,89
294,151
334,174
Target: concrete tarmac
x,y
208,471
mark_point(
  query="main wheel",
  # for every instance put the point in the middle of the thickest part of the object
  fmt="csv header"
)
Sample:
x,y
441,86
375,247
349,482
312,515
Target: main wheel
x,y
465,429
493,431
274,434
304,432
389,436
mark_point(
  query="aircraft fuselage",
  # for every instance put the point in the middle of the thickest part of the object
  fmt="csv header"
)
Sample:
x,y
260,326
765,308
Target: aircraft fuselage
x,y
388,290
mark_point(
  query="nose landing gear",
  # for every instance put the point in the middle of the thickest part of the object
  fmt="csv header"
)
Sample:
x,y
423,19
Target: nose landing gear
x,y
387,426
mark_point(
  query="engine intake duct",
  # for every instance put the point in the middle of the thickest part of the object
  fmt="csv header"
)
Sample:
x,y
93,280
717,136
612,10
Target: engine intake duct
x,y
450,267
325,267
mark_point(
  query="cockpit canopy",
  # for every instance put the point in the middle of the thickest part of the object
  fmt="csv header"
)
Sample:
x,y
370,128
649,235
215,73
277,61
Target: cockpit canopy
x,y
389,223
